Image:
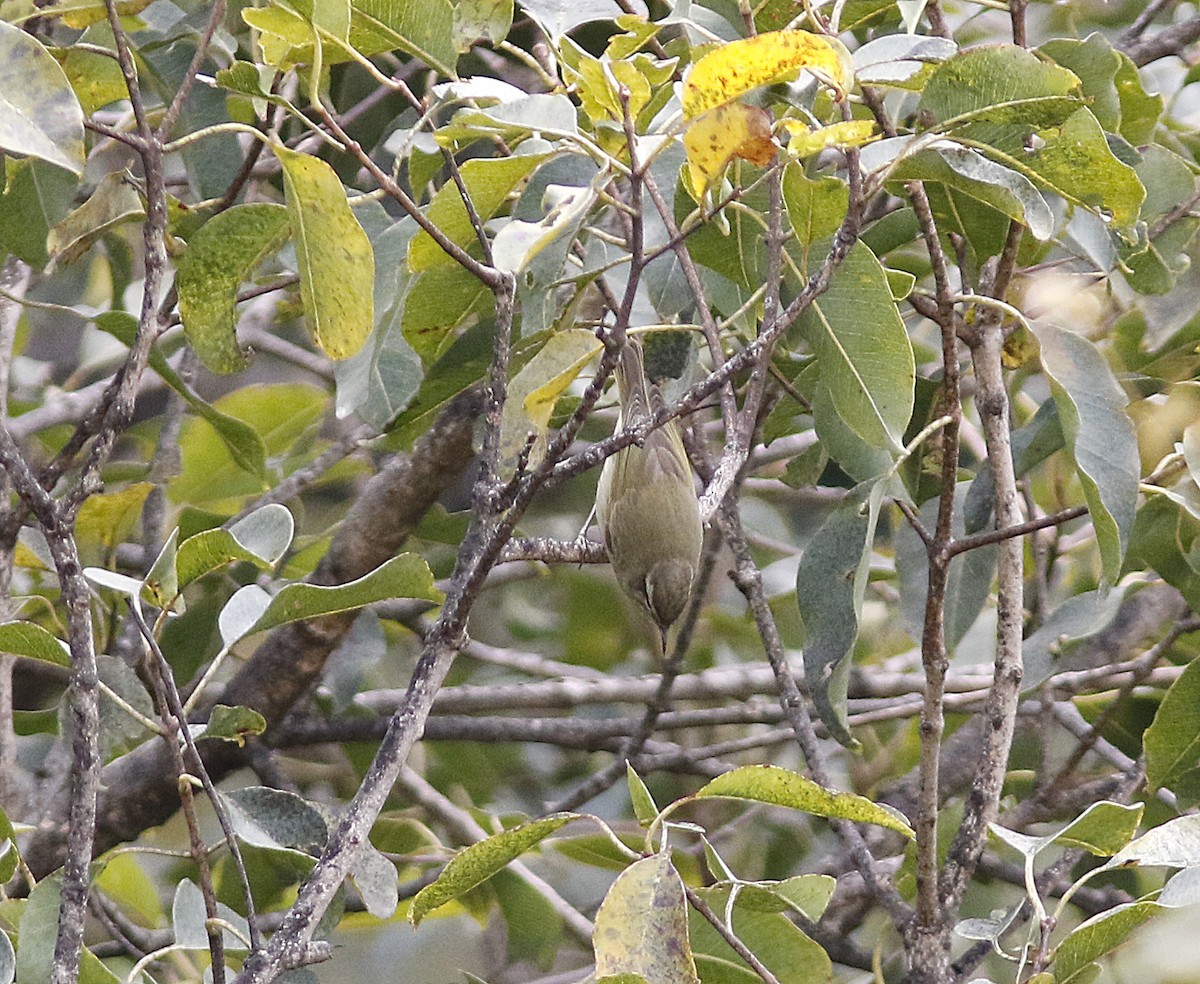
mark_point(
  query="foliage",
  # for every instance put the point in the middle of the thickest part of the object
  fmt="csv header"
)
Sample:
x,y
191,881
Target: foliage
x,y
308,313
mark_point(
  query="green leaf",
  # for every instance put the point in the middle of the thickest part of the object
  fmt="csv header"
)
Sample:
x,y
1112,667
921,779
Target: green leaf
x,y
477,863
968,171
96,78
830,586
109,518
35,198
422,28
1095,63
120,732
1162,539
1076,619
1031,445
520,243
815,206
219,258
334,256
781,946
189,917
979,79
642,925
1102,830
212,474
864,356
1174,844
261,538
115,200
382,378
1078,165
901,60
1096,937
31,640
375,878
1140,109
771,784
8,958
1172,742
1183,889
489,182
968,584
36,936
404,576
808,895
276,820
1099,435
644,807
489,20
534,927
39,114
161,584
241,440
234,724
438,303
513,120
464,364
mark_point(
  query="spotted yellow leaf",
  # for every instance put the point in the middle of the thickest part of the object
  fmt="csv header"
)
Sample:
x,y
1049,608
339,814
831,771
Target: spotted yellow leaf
x,y
734,69
722,134
805,142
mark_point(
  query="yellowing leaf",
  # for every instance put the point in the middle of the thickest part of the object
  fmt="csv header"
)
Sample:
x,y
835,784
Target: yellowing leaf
x,y
536,388
109,518
334,256
642,925
726,132
734,69
80,15
805,142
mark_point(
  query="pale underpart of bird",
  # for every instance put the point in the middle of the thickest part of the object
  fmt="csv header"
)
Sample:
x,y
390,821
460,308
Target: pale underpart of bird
x,y
647,506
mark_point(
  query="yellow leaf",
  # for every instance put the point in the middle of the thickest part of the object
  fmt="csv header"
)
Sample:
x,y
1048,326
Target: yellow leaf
x,y
734,69
334,257
109,518
726,132
805,142
534,390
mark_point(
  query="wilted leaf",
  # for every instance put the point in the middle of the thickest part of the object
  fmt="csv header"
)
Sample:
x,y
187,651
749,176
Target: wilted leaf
x,y
114,201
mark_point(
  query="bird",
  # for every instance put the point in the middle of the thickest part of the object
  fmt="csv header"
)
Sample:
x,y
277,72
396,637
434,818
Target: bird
x,y
646,503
